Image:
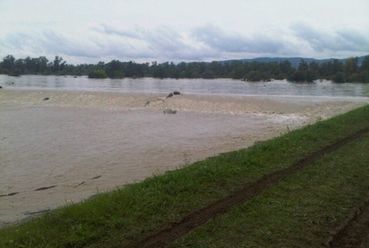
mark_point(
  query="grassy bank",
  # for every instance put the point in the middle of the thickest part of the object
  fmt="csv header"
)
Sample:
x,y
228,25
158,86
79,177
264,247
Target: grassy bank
x,y
301,211
121,217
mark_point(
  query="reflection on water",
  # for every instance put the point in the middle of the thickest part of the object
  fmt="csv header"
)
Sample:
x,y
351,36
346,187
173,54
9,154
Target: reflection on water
x,y
190,86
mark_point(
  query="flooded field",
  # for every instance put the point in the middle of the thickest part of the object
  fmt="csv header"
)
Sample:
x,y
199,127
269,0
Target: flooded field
x,y
187,86
62,146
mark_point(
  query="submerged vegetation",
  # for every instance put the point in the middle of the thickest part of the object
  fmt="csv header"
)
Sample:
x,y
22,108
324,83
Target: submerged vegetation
x,y
300,210
348,70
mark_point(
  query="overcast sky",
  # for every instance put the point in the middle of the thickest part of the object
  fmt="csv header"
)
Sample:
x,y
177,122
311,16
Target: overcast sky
x,y
176,30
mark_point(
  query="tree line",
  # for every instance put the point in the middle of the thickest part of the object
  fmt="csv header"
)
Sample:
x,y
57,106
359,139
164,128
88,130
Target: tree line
x,y
348,70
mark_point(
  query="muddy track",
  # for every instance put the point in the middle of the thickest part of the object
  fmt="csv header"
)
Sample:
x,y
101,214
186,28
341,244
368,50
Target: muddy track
x,y
176,230
354,230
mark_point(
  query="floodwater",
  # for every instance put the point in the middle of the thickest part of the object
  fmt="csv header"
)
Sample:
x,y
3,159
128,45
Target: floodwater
x,y
187,86
92,136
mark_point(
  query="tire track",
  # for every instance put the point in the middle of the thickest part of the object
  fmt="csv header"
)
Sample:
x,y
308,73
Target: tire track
x,y
197,218
354,230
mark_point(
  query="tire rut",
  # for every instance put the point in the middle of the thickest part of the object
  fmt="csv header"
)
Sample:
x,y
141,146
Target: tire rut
x,y
354,230
199,217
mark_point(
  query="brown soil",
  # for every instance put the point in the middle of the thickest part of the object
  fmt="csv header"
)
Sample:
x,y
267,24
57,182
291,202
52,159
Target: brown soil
x,y
352,232
167,235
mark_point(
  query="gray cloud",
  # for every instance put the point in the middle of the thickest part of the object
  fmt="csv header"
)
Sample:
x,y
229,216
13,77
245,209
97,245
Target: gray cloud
x,y
105,42
177,30
218,39
51,43
47,42
107,29
59,44
333,41
162,42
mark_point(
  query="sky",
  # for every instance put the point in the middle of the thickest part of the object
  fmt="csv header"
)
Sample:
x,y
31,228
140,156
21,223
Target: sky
x,y
88,31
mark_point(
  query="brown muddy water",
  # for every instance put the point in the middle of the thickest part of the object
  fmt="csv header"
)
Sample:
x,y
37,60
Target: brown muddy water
x,y
77,144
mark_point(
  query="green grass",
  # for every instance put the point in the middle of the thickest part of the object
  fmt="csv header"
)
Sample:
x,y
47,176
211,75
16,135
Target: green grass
x,y
299,212
117,218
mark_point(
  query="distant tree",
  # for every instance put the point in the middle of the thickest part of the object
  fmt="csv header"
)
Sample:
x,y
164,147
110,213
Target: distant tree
x,y
351,65
349,70
339,77
303,73
255,76
8,64
114,69
58,65
286,69
99,73
365,64
41,64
